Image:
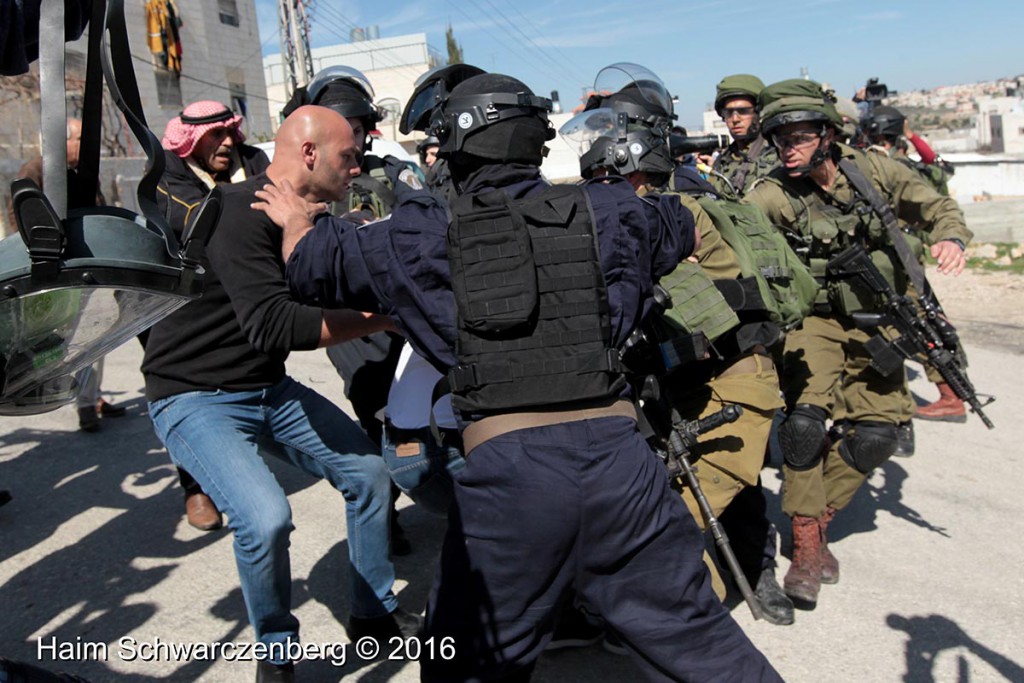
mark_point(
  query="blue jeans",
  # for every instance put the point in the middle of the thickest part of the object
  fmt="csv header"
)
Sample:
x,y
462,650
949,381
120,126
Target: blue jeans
x,y
215,436
422,467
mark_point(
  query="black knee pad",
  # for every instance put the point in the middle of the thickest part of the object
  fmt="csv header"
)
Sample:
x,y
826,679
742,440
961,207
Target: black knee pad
x,y
803,437
867,445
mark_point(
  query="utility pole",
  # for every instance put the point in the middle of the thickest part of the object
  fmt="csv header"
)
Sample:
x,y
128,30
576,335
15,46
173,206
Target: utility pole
x,y
296,57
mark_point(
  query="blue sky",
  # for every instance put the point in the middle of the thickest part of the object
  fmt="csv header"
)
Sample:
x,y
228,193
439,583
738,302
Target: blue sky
x,y
562,44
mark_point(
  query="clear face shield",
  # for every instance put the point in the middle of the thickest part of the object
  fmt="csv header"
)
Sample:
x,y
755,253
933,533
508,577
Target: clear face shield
x,y
582,131
623,76
603,139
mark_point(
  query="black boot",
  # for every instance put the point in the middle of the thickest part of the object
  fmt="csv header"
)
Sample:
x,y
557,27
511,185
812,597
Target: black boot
x,y
904,439
775,605
398,624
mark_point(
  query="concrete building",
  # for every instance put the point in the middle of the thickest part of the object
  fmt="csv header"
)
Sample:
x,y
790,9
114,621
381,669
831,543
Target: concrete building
x,y
989,107
220,43
1007,131
220,61
713,123
392,66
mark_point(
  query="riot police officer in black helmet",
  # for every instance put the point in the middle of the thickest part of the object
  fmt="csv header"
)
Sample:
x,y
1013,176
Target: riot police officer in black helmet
x,y
438,178
521,298
628,135
366,365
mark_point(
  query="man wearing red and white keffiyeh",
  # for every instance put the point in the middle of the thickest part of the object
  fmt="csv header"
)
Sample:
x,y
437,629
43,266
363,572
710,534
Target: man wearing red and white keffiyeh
x,y
203,147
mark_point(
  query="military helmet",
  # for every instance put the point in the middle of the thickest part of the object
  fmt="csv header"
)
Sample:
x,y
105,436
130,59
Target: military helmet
x,y
480,115
884,122
850,114
346,91
737,85
795,100
625,125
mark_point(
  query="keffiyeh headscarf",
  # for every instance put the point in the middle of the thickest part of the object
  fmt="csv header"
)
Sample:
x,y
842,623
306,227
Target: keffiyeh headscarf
x,y
184,131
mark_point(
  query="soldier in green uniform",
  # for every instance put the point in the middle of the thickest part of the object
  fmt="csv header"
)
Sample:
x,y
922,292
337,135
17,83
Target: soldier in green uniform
x,y
741,371
826,368
748,157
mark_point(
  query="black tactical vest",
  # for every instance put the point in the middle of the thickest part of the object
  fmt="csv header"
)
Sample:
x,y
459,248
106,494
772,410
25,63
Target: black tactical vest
x,y
533,316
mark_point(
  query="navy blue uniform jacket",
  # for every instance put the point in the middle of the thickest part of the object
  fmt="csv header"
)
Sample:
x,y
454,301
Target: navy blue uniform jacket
x,y
399,265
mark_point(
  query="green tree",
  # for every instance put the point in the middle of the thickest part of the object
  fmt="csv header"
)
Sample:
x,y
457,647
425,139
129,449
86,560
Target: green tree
x,y
454,48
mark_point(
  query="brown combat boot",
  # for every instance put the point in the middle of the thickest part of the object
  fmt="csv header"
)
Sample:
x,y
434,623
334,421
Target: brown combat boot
x,y
803,580
949,408
829,563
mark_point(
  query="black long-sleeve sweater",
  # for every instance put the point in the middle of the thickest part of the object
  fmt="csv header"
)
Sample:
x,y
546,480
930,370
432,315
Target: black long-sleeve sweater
x,y
237,336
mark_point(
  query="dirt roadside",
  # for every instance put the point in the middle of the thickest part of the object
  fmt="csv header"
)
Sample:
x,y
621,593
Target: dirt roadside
x,y
987,307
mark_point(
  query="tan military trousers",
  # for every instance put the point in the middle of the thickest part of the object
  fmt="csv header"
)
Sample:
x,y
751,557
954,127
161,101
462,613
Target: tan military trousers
x,y
825,365
731,457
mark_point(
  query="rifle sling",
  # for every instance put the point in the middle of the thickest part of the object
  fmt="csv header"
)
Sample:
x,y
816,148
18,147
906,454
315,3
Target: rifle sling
x,y
882,209
739,178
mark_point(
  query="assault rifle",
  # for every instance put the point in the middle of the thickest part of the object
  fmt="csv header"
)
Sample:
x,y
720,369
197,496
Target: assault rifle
x,y
922,326
653,351
673,440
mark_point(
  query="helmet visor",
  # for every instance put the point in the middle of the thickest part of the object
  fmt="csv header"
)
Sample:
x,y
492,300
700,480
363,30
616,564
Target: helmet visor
x,y
616,77
431,90
583,130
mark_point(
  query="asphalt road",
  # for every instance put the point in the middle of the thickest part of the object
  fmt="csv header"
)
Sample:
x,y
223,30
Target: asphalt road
x,y
95,554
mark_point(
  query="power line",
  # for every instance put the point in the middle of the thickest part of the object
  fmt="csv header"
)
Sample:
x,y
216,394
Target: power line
x,y
389,60
557,49
540,50
488,32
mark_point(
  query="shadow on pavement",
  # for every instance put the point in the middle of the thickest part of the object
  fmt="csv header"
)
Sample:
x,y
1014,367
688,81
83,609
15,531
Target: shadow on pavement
x,y
933,634
120,485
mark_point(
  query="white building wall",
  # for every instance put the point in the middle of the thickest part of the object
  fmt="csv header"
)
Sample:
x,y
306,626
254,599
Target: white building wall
x,y
391,64
988,107
713,123
213,54
1010,128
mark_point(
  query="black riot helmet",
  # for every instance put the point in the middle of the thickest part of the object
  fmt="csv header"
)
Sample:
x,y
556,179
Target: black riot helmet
x,y
479,116
348,92
884,122
625,125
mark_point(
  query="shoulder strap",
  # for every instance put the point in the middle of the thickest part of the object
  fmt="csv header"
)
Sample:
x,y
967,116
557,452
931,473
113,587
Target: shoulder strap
x,y
739,178
882,209
371,182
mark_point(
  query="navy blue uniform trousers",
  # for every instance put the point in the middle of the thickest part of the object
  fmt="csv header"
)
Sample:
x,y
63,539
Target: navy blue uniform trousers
x,y
584,506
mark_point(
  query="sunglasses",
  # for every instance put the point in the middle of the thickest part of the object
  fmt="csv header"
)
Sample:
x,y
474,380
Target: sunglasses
x,y
729,112
796,140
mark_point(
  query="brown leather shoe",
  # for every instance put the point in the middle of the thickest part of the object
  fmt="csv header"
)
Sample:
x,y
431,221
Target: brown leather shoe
x,y
88,419
109,409
803,580
202,512
949,408
829,563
